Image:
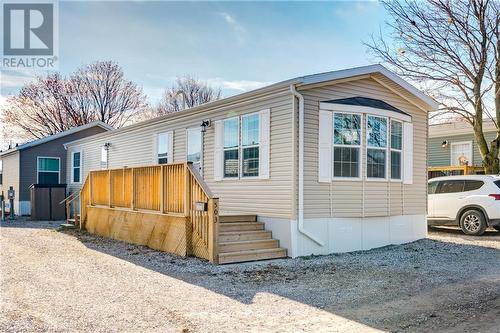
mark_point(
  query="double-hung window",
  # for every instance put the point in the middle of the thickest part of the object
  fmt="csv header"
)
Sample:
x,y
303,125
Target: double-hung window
x,y
231,148
48,169
346,145
1,172
396,149
376,151
76,167
163,144
241,146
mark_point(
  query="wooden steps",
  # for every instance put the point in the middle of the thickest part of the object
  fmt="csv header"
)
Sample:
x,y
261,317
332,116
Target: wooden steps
x,y
242,238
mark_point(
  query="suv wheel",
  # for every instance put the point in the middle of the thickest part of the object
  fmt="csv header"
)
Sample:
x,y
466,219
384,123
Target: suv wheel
x,y
473,222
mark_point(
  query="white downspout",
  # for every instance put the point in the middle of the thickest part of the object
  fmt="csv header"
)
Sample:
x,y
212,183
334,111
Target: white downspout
x,y
300,215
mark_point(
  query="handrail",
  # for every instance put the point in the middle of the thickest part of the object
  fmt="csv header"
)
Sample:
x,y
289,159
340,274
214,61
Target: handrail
x,y
200,181
70,198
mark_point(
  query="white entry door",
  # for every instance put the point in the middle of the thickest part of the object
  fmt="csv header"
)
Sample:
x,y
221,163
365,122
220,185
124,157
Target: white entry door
x,y
461,151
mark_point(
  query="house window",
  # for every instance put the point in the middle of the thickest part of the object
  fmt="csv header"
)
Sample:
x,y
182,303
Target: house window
x,y
104,157
48,170
241,152
76,167
1,172
194,144
376,152
250,145
163,148
396,148
346,145
231,148
461,153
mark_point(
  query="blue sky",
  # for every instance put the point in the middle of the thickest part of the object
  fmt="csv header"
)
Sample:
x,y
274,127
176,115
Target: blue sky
x,y
238,46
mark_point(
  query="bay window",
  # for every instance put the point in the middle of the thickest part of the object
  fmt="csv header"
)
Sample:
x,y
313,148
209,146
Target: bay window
x,y
241,146
376,151
346,145
396,148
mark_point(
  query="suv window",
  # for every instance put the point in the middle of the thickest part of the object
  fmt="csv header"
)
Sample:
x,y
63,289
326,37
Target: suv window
x,y
431,188
471,185
497,183
450,186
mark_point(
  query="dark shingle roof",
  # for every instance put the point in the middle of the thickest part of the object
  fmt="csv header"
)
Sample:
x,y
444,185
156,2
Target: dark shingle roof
x,y
365,101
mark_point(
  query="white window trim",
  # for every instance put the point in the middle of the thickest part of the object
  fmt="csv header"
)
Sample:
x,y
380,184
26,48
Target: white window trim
x,y
197,128
400,151
240,148
342,108
38,170
471,151
360,150
101,162
386,149
73,166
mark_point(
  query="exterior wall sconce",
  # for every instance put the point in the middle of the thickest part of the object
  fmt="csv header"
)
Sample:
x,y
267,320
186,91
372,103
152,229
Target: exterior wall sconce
x,y
107,145
445,144
205,124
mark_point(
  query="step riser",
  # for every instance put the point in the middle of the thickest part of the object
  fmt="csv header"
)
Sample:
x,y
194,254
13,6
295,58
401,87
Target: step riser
x,y
244,237
227,259
258,245
246,227
237,218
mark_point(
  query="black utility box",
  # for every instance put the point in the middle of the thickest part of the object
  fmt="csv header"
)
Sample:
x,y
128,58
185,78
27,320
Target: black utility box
x,y
45,202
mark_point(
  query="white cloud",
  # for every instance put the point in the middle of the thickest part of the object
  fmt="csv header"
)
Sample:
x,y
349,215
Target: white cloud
x,y
239,85
15,80
237,28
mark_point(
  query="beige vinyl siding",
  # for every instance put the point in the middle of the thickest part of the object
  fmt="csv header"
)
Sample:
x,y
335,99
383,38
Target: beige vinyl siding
x,y
361,198
271,197
10,174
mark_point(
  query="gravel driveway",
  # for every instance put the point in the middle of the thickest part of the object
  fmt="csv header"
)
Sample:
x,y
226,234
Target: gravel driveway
x,y
73,281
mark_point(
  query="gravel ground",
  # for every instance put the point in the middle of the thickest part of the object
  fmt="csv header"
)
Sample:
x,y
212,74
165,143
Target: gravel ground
x,y
62,281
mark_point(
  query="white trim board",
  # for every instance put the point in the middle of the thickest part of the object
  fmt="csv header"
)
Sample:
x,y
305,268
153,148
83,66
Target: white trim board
x,y
364,109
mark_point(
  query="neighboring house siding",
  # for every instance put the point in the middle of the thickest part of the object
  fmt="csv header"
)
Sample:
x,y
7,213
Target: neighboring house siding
x,y
55,148
271,197
362,198
439,156
11,176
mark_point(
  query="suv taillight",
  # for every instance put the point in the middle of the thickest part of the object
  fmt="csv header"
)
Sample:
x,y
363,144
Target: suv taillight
x,y
495,196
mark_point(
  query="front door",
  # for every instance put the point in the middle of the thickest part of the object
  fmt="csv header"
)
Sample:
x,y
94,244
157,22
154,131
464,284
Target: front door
x,y
194,151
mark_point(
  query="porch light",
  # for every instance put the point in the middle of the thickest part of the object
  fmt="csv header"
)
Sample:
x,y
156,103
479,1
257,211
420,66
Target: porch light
x,y
445,144
204,125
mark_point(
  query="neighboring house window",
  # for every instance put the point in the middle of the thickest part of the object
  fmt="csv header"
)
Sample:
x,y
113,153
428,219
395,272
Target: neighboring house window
x,y
104,157
461,153
346,145
396,148
163,148
241,152
250,145
48,170
231,148
376,152
194,144
1,172
76,167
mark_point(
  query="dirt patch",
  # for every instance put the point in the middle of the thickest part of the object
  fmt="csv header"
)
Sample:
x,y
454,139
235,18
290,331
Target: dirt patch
x,y
74,281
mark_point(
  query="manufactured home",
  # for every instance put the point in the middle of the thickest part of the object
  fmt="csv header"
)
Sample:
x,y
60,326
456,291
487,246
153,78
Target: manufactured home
x,y
453,148
41,161
323,163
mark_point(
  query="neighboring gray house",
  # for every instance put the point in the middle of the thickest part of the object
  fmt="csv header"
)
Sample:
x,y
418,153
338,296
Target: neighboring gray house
x,y
330,162
41,161
450,141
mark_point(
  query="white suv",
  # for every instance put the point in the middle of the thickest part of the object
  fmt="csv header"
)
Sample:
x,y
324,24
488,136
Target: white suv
x,y
472,202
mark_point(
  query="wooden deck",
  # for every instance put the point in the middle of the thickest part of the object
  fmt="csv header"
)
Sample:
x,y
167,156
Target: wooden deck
x,y
441,171
170,208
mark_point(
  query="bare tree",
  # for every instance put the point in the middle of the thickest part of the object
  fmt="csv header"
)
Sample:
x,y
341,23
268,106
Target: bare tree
x,y
448,47
187,92
53,104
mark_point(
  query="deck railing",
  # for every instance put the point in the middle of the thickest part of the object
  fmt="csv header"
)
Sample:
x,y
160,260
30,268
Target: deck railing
x,y
171,189
433,172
